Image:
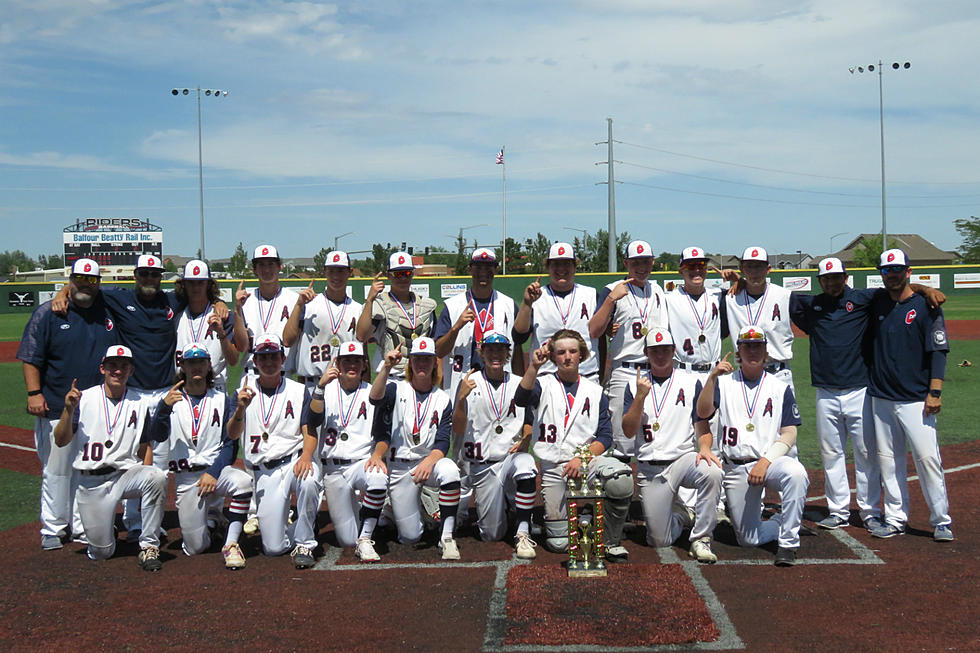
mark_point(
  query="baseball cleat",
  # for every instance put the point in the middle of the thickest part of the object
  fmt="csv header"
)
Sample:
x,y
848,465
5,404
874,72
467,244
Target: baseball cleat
x,y
50,542
525,546
871,523
302,558
701,551
365,550
832,522
251,526
133,535
785,557
886,530
232,553
449,549
617,553
943,534
149,559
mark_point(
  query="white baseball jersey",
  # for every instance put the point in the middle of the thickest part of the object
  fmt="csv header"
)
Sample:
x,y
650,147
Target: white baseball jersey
x,y
695,325
750,418
771,312
572,311
195,431
491,409
558,431
109,431
326,325
499,317
667,430
191,329
413,412
635,313
272,423
347,420
268,316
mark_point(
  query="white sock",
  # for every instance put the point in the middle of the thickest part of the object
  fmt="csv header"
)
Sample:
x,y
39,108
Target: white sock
x,y
523,527
234,532
367,528
448,524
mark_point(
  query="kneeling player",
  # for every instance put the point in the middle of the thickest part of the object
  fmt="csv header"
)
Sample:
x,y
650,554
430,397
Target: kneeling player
x,y
659,404
487,418
345,447
111,423
279,449
758,417
194,415
412,424
570,411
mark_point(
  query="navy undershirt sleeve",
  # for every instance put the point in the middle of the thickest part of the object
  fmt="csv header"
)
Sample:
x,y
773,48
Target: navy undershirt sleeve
x,y
604,431
937,365
310,419
791,412
528,398
384,407
444,433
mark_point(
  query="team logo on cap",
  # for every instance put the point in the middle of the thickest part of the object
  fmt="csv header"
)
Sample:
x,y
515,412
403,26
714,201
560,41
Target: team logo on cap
x,y
422,345
659,337
149,261
351,347
639,249
336,258
755,252
88,267
561,250
891,257
265,250
197,269
829,265
910,316
483,255
401,259
120,351
694,252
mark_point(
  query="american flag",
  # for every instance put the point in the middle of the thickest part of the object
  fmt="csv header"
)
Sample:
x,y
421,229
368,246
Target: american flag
x,y
500,157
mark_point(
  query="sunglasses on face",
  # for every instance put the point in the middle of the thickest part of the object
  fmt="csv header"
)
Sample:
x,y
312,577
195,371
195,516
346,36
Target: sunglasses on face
x,y
86,278
401,274
892,269
155,274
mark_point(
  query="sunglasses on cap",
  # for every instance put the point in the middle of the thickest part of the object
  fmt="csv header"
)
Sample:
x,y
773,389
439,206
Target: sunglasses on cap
x,y
752,336
401,274
86,278
892,269
143,272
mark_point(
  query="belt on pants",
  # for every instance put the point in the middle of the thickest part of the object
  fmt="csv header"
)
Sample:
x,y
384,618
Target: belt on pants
x,y
636,366
272,464
772,368
622,459
739,461
657,463
697,367
99,471
337,461
190,468
406,460
486,462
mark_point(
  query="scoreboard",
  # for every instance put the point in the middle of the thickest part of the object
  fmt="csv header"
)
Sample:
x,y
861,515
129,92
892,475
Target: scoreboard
x,y
112,241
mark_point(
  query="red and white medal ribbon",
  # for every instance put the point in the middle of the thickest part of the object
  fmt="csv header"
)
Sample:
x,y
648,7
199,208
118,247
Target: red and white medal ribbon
x,y
569,397
336,324
658,406
750,408
272,309
563,314
197,412
196,330
646,302
486,322
105,405
266,415
496,407
345,413
421,410
754,321
703,317
415,312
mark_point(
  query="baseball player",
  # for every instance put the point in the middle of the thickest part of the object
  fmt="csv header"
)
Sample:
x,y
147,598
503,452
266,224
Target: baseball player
x,y
195,415
346,443
263,310
322,322
493,449
562,304
397,317
277,430
906,382
198,323
55,350
766,306
659,404
570,410
468,316
757,419
110,423
412,426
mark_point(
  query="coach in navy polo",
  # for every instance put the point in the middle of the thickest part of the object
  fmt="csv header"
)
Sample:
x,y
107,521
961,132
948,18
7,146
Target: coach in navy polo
x,y
907,370
55,350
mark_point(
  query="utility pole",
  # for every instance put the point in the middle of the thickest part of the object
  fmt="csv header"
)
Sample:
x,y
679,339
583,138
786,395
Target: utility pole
x,y
612,197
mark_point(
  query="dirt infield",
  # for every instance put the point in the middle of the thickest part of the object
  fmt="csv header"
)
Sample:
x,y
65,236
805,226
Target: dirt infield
x,y
848,592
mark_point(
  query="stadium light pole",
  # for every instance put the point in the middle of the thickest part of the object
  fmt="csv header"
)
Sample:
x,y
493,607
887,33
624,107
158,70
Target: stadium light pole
x,y
208,92
881,123
843,233
337,238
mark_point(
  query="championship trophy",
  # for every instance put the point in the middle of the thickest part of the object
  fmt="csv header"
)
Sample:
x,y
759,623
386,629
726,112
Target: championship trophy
x,y
586,533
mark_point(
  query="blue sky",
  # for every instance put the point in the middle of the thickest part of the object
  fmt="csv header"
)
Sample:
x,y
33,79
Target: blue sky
x,y
740,123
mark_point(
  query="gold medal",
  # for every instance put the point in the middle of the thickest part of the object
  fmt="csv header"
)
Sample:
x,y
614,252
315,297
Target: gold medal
x,y
750,426
416,438
335,342
265,436
702,338
344,436
655,426
644,331
108,444
414,336
498,429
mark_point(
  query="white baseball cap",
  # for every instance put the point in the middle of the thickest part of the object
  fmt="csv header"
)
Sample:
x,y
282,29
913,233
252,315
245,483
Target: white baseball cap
x,y
755,254
196,269
352,348
267,343
693,254
337,259
265,251
483,255
639,249
424,346
656,337
831,265
560,251
118,351
150,261
86,266
400,261
752,334
893,257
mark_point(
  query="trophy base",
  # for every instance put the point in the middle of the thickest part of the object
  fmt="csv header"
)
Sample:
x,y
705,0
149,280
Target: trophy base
x,y
586,573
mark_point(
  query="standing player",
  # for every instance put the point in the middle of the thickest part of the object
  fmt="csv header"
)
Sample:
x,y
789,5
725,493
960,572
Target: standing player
x,y
110,423
322,322
346,443
667,455
906,385
55,350
412,425
276,427
468,316
698,320
562,304
263,310
395,318
757,419
198,322
495,466
570,410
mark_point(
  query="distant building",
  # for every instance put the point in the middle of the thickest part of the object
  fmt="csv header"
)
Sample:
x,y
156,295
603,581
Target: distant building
x,y
920,251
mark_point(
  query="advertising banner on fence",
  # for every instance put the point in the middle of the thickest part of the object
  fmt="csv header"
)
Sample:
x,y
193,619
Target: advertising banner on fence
x,y
931,280
798,284
966,280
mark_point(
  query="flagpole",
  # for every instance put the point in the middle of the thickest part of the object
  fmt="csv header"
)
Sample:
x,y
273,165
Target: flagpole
x,y
503,171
